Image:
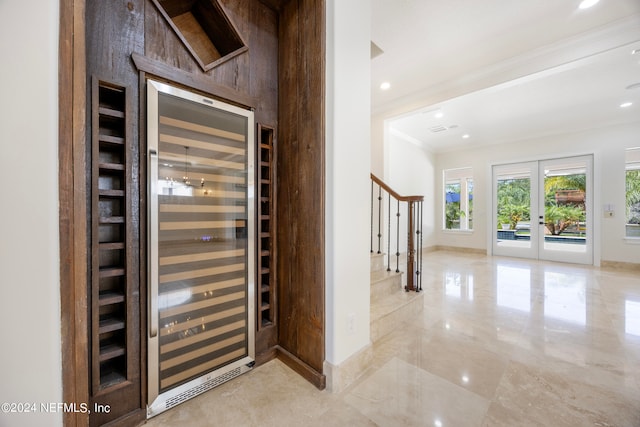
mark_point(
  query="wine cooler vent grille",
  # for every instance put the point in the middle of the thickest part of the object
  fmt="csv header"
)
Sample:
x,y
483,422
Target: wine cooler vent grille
x,y
208,385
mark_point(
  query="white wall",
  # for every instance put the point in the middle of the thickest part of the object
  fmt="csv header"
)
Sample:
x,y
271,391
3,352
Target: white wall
x,y
411,172
348,162
30,361
607,144
378,156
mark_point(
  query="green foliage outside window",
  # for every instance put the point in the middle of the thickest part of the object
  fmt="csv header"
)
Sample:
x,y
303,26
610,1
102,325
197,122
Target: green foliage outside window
x,y
633,196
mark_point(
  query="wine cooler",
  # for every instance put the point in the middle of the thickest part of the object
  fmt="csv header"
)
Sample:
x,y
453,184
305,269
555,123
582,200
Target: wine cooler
x,y
201,219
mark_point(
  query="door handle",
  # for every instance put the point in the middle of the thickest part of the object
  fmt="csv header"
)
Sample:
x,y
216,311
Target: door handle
x,y
153,243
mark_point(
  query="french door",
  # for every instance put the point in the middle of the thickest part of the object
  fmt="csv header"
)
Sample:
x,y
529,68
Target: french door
x,y
543,210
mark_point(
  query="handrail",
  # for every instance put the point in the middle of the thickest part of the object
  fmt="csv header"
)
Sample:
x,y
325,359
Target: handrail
x,y
395,195
414,227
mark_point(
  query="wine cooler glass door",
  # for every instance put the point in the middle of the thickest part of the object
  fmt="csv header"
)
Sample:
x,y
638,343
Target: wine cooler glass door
x,y
201,251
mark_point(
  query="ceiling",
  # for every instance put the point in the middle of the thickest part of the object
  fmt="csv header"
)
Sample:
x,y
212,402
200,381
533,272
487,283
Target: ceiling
x,y
502,71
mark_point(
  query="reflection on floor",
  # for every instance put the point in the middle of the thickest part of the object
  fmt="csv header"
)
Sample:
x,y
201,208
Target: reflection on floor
x,y
501,342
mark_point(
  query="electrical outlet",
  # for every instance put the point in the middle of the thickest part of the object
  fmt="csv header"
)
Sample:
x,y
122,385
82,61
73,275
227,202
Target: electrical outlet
x,y
351,323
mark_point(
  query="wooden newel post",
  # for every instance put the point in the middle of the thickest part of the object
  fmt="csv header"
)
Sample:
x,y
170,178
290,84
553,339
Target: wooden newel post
x,y
411,250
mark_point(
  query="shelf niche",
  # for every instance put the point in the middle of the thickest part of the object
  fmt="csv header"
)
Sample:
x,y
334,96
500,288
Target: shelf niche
x,y
266,227
204,28
109,289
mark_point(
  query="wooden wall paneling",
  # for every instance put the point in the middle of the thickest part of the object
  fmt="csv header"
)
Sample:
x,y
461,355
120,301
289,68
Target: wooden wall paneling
x,y
191,81
274,4
263,80
311,113
300,200
286,165
73,219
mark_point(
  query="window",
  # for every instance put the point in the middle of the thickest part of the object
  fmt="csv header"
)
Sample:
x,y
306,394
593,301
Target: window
x,y
632,185
458,199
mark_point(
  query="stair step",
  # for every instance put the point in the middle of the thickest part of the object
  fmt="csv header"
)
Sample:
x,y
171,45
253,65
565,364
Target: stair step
x,y
385,283
377,262
388,314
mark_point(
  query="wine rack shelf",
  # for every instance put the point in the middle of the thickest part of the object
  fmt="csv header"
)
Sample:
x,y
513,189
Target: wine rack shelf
x,y
109,231
266,226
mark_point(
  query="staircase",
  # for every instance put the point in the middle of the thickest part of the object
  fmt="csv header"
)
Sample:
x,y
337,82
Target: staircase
x,y
391,305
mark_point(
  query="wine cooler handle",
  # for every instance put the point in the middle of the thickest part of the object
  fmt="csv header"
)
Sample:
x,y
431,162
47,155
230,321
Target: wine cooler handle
x,y
153,243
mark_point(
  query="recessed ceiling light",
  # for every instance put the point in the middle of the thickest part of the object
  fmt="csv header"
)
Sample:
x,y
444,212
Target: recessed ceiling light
x,y
438,115
586,4
385,85
626,104
466,136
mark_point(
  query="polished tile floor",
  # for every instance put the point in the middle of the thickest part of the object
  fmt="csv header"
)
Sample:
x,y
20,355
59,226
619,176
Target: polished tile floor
x,y
501,342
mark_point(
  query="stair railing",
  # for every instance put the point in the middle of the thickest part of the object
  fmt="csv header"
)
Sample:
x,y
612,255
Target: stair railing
x,y
414,211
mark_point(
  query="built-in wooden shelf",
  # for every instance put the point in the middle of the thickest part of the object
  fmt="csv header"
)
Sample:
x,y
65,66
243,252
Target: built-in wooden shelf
x,y
111,166
109,112
109,248
266,226
111,272
111,139
112,220
109,298
204,28
111,193
110,325
111,351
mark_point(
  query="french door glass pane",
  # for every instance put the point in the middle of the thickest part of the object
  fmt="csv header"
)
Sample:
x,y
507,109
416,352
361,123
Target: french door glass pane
x,y
514,208
565,218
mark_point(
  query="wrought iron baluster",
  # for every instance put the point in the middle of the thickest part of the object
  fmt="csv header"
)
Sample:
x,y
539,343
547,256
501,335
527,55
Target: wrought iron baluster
x,y
421,237
379,215
411,274
398,238
389,232
419,244
371,234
